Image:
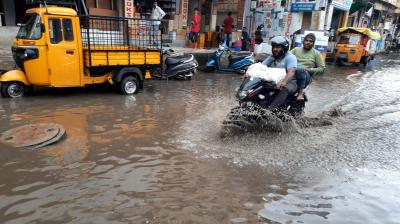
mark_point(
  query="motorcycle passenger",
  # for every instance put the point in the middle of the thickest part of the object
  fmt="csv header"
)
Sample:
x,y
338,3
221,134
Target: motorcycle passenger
x,y
281,58
309,62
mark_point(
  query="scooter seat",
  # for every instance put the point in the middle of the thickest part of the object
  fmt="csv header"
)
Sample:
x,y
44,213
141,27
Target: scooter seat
x,y
238,57
173,60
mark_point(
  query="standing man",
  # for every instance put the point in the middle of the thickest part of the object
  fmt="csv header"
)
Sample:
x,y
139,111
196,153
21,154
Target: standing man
x,y
138,8
309,61
245,39
157,14
258,34
195,29
281,58
228,27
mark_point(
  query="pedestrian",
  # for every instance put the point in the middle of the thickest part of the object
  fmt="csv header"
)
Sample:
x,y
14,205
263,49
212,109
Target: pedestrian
x,y
220,34
245,39
156,15
138,8
388,41
258,34
371,48
332,35
228,28
195,27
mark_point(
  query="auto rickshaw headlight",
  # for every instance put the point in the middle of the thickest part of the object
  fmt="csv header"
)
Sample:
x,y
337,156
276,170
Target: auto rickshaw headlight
x,y
22,54
31,53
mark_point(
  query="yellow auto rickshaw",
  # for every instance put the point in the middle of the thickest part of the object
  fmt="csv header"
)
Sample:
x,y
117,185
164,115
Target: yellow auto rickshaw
x,y
355,45
56,47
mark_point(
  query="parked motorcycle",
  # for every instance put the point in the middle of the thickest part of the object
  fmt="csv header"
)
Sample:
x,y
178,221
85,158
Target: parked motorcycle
x,y
238,62
177,65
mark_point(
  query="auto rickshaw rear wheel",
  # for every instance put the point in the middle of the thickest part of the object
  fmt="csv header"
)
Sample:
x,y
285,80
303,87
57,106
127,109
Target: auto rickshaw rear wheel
x,y
129,85
365,60
12,89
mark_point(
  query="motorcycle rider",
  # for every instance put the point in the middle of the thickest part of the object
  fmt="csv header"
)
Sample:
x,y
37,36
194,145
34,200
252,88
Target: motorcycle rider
x,y
282,58
309,62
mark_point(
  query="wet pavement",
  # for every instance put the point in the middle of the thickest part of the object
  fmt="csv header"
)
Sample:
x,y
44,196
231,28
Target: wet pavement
x,y
156,157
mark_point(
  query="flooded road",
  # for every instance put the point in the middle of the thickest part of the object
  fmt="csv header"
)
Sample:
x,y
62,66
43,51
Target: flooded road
x,y
156,157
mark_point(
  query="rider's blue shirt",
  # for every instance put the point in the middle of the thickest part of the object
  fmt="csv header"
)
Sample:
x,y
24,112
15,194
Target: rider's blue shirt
x,y
289,61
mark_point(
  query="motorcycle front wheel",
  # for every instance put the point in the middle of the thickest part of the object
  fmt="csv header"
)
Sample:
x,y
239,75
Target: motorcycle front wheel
x,y
209,69
242,70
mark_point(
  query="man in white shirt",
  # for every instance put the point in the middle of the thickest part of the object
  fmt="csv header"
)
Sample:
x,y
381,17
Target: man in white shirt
x,y
157,14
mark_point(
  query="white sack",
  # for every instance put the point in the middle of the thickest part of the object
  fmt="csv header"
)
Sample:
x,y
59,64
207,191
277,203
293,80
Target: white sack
x,y
260,70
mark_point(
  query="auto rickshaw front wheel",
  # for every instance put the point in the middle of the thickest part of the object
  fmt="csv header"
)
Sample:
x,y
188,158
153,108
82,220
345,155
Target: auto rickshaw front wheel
x,y
129,85
12,89
340,62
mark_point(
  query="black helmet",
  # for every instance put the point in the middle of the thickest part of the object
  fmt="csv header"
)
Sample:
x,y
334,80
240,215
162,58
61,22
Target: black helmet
x,y
312,36
280,41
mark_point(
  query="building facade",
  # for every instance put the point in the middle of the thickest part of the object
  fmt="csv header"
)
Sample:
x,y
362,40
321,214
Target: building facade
x,y
279,17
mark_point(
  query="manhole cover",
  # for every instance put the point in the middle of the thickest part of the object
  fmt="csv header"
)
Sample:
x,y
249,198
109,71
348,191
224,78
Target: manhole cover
x,y
31,134
50,141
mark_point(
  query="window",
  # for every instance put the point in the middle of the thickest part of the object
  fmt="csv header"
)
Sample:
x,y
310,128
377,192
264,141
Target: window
x,y
67,28
55,31
30,28
307,18
349,39
113,5
283,3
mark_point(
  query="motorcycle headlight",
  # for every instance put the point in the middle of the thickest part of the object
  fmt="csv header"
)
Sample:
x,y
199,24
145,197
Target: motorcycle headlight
x,y
242,94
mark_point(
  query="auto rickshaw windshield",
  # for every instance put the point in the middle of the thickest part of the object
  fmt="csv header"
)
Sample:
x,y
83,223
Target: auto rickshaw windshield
x,y
349,39
30,28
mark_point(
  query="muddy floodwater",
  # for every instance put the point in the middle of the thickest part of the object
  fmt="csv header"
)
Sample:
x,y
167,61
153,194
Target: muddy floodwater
x,y
156,157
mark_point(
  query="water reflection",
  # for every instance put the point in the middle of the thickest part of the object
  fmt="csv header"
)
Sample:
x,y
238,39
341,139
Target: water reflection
x,y
135,159
75,146
351,197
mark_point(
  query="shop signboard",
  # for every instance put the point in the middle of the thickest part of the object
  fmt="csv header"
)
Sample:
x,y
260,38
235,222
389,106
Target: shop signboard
x,y
262,6
342,4
321,41
129,9
185,7
302,7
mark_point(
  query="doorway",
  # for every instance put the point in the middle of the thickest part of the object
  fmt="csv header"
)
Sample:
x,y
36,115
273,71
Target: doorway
x,y
306,23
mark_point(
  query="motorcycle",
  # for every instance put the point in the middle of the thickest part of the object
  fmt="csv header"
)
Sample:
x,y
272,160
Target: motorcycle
x,y
177,65
238,62
261,92
255,95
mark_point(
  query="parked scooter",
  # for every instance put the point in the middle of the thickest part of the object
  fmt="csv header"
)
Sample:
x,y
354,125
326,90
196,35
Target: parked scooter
x,y
177,65
238,62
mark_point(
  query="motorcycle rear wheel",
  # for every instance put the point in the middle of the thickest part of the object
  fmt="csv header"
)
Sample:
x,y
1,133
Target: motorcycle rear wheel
x,y
209,69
